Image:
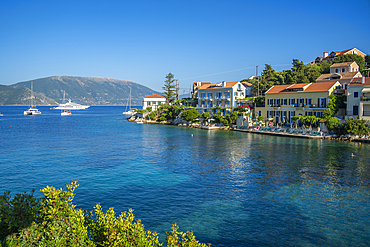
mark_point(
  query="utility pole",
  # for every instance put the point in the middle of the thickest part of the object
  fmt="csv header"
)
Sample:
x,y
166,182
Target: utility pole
x,y
258,82
177,89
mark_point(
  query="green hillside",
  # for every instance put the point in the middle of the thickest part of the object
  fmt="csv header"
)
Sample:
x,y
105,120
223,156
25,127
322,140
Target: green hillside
x,y
82,90
22,96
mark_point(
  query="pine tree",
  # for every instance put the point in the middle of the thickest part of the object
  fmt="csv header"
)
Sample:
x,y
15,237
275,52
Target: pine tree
x,y
169,88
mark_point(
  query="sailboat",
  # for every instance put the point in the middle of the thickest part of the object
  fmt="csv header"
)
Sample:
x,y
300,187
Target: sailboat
x,y
128,111
65,112
33,110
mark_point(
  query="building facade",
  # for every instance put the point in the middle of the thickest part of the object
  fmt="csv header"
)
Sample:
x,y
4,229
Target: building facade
x,y
344,73
154,101
223,94
283,102
358,98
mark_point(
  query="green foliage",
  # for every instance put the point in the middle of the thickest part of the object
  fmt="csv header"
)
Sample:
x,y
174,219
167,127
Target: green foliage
x,y
163,117
332,123
190,115
180,239
333,105
140,110
149,109
108,230
17,213
169,88
53,220
153,115
260,118
311,120
205,115
355,126
351,58
58,223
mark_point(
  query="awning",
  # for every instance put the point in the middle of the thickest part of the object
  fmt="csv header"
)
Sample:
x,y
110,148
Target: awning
x,y
365,90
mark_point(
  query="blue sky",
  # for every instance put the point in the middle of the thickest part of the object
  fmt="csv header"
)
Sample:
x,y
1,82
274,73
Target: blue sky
x,y
143,40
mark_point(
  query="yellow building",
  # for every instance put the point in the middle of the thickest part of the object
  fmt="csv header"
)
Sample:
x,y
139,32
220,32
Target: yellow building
x,y
282,102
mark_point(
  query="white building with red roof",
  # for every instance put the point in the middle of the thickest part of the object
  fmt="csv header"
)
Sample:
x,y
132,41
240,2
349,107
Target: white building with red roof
x,y
154,101
358,98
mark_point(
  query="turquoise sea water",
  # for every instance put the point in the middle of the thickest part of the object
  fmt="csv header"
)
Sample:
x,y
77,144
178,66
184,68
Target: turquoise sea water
x,y
230,188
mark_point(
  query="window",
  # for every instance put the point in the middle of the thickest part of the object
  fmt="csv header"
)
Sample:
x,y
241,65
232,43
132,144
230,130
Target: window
x,y
259,113
284,102
269,114
309,113
355,94
291,115
291,101
270,101
343,69
227,95
276,102
309,101
236,94
336,70
202,95
239,87
319,114
218,95
283,115
322,102
300,101
210,95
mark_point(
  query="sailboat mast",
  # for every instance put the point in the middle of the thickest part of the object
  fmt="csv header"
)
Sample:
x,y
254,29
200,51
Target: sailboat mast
x,y
31,93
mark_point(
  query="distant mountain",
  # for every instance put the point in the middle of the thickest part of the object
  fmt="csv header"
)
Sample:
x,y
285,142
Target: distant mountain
x,y
82,90
22,96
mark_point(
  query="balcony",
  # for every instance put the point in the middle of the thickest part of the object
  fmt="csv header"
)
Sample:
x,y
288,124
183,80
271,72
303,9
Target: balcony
x,y
339,91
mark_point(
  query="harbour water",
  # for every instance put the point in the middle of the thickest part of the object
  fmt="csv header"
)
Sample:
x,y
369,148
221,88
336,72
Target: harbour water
x,y
230,188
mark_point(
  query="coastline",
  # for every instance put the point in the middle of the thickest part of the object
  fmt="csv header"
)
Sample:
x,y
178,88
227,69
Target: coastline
x,y
253,131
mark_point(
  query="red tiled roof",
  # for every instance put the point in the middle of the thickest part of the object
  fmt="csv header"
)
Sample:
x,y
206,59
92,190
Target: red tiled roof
x,y
155,96
201,83
307,87
358,82
218,85
342,64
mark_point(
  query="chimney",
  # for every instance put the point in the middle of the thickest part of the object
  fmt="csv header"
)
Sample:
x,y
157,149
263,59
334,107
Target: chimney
x,y
223,84
363,79
326,54
198,83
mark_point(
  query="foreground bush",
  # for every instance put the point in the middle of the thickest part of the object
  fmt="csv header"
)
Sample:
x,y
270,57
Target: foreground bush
x,y
53,220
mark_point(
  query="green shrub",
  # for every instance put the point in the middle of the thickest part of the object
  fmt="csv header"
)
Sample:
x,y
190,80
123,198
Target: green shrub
x,y
149,109
190,115
53,220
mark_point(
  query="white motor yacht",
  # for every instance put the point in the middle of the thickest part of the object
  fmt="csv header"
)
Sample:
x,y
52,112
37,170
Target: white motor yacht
x,y
71,106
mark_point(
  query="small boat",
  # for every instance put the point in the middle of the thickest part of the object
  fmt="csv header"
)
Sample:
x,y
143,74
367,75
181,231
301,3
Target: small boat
x,y
1,115
139,122
33,110
65,113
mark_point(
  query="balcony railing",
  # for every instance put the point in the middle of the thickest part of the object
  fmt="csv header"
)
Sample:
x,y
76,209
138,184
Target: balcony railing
x,y
316,106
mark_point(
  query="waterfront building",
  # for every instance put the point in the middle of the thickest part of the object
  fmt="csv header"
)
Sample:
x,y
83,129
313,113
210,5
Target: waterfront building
x,y
332,55
283,102
358,98
213,97
196,86
153,101
343,73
